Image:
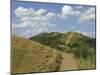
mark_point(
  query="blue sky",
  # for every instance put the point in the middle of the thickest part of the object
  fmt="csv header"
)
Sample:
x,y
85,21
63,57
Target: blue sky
x,y
31,18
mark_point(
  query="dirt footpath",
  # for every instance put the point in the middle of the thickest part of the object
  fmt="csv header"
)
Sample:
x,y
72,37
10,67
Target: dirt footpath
x,y
68,62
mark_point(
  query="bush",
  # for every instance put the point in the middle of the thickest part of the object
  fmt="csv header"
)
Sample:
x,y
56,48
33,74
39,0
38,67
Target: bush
x,y
81,53
73,45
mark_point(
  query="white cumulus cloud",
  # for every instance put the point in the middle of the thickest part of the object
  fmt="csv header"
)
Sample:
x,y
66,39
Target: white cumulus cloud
x,y
88,15
50,15
68,11
21,11
32,22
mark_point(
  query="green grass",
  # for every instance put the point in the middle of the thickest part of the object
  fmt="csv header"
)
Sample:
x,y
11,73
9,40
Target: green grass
x,y
30,56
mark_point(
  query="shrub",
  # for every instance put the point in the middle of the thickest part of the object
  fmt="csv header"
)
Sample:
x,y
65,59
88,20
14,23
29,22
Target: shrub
x,y
81,53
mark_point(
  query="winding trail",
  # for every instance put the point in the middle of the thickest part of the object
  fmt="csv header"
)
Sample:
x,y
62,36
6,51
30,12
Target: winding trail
x,y
69,37
68,62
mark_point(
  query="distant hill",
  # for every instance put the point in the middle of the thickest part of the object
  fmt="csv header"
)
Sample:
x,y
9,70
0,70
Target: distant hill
x,y
30,56
50,39
64,41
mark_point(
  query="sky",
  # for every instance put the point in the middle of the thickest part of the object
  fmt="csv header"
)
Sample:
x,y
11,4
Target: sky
x,y
32,18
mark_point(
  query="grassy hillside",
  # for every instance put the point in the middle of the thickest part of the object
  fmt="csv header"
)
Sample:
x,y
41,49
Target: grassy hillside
x,y
52,39
58,40
30,56
83,47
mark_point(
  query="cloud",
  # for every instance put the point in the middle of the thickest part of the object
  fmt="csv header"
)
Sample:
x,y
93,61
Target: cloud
x,y
40,12
21,12
68,11
50,15
32,22
27,29
88,15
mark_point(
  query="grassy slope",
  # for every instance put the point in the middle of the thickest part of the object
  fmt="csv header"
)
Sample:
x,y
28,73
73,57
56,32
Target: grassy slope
x,y
84,50
81,46
49,39
58,40
30,56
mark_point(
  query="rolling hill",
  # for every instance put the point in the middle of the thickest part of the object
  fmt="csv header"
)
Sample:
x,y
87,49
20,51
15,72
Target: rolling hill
x,y
64,41
30,56
83,47
54,51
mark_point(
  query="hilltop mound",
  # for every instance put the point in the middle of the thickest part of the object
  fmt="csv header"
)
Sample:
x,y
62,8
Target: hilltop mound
x,y
30,56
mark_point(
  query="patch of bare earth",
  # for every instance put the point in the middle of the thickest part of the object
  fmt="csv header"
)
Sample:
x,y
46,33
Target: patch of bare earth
x,y
68,62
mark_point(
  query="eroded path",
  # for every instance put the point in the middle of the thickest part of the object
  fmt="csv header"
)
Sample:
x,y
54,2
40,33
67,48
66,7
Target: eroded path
x,y
71,35
68,62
